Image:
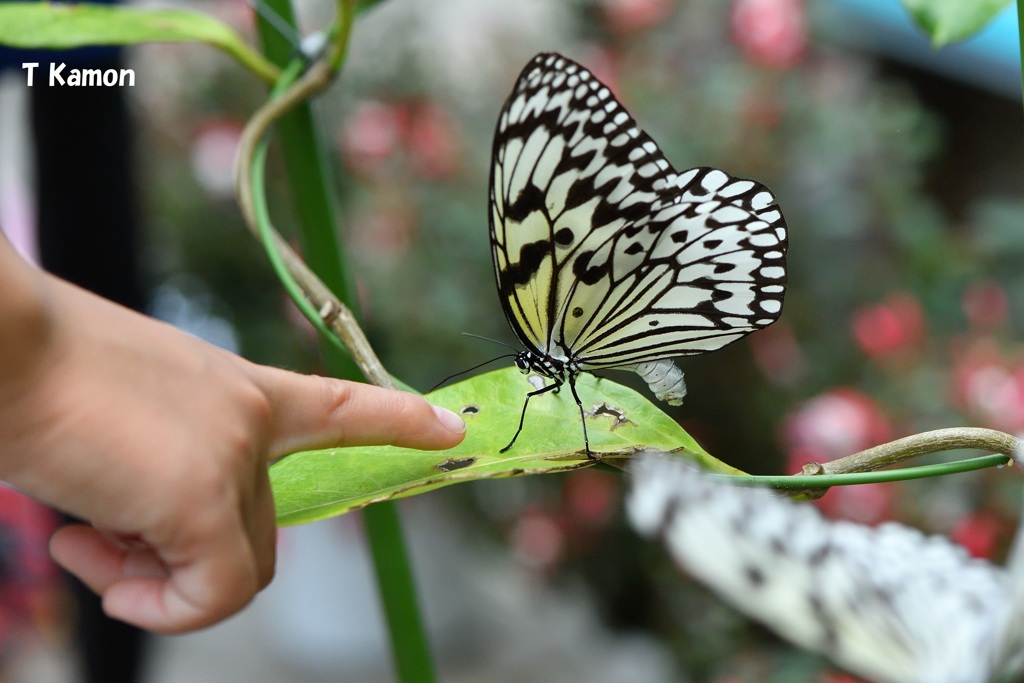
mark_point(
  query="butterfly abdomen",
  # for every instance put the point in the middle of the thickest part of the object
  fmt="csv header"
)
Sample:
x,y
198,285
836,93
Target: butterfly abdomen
x,y
665,379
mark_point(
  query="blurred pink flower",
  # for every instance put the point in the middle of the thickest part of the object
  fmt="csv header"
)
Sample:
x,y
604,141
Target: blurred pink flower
x,y
832,425
590,497
537,539
980,533
861,503
432,141
421,132
371,136
238,14
990,387
631,16
772,33
890,328
28,577
985,305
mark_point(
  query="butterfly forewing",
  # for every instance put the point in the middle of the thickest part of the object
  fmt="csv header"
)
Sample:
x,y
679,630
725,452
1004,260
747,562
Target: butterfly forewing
x,y
602,251
569,168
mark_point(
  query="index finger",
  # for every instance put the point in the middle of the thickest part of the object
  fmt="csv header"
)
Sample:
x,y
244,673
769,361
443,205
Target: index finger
x,y
308,412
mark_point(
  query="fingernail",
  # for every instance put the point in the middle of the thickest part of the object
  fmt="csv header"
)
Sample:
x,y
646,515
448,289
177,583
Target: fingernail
x,y
450,420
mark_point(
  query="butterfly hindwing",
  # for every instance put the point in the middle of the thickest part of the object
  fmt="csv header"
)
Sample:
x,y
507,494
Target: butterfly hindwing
x,y
602,251
888,603
705,271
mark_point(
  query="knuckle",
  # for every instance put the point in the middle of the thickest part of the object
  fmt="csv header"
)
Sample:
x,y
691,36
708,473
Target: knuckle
x,y
410,413
212,481
256,403
335,394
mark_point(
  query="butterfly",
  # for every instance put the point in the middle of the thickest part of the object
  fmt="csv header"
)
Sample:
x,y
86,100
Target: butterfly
x,y
604,255
887,603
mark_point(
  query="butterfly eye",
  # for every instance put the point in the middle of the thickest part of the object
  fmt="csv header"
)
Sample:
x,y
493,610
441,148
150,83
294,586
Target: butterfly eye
x,y
524,363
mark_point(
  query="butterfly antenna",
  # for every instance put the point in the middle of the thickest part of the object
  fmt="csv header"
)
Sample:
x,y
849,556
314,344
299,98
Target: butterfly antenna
x,y
496,341
475,367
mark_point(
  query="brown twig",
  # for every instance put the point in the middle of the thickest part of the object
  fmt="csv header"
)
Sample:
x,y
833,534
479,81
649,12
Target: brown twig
x,y
334,314
935,441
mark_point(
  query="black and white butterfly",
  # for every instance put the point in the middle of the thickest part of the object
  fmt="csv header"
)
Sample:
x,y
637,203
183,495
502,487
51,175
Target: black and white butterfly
x,y
886,602
605,256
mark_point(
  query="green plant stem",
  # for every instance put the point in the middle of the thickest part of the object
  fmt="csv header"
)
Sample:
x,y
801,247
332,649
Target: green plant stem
x,y
384,532
40,25
409,645
310,181
309,293
860,468
311,187
799,482
338,46
935,441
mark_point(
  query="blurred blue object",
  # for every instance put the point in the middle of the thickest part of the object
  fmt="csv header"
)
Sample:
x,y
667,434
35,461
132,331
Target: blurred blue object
x,y
990,59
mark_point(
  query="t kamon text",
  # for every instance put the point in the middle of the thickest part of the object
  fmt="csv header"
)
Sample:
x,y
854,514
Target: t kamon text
x,y
61,75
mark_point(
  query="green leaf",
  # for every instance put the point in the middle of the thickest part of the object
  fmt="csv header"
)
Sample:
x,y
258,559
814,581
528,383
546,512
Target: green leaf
x,y
621,423
40,25
948,21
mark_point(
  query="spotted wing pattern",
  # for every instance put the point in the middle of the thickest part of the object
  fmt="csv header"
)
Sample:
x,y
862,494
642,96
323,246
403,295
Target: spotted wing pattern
x,y
888,603
602,251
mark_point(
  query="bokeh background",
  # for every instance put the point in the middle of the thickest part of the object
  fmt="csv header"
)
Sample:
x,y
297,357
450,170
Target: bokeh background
x,y
899,170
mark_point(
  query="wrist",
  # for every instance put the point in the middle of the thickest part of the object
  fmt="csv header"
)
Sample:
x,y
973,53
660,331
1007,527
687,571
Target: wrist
x,y
26,344
26,322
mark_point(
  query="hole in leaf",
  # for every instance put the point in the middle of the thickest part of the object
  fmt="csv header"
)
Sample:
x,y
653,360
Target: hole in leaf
x,y
618,415
452,464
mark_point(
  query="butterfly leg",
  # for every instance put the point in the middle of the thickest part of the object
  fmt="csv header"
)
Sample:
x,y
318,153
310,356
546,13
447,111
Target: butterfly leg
x,y
583,418
522,416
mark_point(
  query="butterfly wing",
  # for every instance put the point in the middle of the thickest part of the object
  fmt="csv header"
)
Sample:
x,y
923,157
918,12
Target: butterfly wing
x,y
1009,653
700,273
602,251
887,603
556,148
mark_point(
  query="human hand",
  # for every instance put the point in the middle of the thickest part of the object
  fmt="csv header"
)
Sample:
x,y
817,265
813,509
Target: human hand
x,y
161,442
